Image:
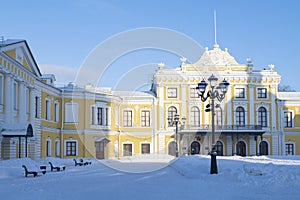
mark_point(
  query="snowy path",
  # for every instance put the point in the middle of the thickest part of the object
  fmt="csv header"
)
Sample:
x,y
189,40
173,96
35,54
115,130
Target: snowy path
x,y
186,178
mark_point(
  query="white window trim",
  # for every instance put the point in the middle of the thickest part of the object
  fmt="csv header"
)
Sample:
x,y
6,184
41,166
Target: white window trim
x,y
293,116
241,140
65,146
245,110
189,92
48,109
57,148
132,118
74,112
94,123
177,92
269,147
132,148
268,117
245,92
48,148
294,147
141,143
150,119
267,94
56,111
167,112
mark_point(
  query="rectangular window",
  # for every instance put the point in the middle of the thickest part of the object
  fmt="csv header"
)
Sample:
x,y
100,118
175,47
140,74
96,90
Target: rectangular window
x,y
127,149
36,107
57,148
172,93
47,117
127,118
193,93
262,93
289,149
48,148
288,117
145,148
71,148
106,116
93,116
145,118
56,112
99,116
71,115
240,93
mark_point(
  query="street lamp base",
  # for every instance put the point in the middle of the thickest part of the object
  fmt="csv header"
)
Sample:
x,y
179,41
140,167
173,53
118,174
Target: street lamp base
x,y
213,163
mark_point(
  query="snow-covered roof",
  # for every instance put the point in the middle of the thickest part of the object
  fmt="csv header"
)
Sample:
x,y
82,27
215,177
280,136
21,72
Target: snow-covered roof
x,y
216,56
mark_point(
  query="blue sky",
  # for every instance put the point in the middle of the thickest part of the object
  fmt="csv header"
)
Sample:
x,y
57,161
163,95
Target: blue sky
x,y
61,34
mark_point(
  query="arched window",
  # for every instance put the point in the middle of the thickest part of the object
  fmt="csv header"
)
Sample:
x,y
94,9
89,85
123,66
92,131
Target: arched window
x,y
262,117
241,148
263,148
171,113
195,116
240,116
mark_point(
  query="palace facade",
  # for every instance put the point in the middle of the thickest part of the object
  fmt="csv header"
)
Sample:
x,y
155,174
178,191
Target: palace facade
x,y
38,119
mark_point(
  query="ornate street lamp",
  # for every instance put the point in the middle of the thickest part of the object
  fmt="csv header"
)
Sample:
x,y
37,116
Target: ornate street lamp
x,y
175,121
216,91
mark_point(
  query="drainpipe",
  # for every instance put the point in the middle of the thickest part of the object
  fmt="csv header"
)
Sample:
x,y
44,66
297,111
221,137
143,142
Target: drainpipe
x,y
62,125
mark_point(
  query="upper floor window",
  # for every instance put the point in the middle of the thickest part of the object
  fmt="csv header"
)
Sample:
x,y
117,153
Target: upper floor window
x,y
240,116
289,149
240,93
47,109
71,115
262,117
193,93
127,118
56,111
288,119
219,117
195,116
99,116
145,118
261,93
172,92
71,147
36,107
172,111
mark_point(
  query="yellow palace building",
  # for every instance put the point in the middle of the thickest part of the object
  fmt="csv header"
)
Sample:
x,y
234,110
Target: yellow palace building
x,y
38,119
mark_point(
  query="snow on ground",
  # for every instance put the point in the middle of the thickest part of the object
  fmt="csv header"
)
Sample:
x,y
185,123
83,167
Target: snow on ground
x,y
154,177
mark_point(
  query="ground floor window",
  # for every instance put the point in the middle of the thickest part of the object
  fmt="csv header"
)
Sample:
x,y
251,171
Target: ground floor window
x,y
71,148
263,148
57,148
289,149
48,147
241,148
195,147
127,149
219,148
145,148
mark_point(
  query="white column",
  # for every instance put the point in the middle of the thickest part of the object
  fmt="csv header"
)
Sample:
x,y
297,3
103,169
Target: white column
x,y
184,98
229,145
161,144
273,107
22,103
251,103
161,110
32,106
252,146
8,99
275,144
229,106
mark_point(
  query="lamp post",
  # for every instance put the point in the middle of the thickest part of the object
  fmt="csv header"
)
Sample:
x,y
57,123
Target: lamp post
x,y
175,121
216,92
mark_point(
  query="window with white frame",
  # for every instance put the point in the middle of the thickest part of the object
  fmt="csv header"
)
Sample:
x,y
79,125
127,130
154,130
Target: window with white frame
x,y
56,111
47,109
240,116
195,117
71,110
288,119
239,93
127,118
48,147
57,147
16,95
172,92
37,107
262,93
145,148
172,111
219,118
127,149
145,118
289,148
193,93
71,147
99,116
1,89
262,117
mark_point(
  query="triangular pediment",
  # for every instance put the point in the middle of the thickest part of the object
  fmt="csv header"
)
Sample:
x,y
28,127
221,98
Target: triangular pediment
x,y
18,51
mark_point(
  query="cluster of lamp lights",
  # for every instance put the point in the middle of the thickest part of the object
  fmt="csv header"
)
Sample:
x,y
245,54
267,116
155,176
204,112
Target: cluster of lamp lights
x,y
217,91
